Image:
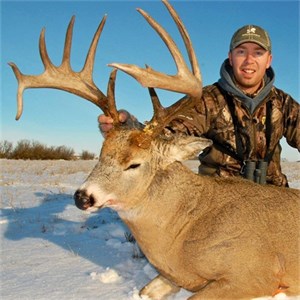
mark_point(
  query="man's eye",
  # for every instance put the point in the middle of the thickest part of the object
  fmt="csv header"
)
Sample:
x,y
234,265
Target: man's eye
x,y
240,52
259,53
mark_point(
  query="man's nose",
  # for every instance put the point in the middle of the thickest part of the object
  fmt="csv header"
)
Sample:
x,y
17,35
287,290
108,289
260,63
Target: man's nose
x,y
249,58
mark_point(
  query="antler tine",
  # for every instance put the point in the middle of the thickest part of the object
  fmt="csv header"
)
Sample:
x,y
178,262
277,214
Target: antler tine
x,y
187,41
88,67
184,81
108,106
68,44
111,103
164,115
63,77
43,51
21,88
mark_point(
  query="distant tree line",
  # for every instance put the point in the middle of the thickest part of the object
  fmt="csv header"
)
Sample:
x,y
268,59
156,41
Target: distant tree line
x,y
34,150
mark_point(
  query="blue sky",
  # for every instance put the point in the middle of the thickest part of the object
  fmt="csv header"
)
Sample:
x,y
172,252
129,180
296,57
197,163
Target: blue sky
x,y
58,118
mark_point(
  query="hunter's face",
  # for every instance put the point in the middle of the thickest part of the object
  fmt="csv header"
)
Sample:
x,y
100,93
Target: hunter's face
x,y
249,62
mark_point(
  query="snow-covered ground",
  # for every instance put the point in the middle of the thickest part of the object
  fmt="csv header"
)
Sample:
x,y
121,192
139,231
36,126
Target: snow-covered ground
x,y
52,250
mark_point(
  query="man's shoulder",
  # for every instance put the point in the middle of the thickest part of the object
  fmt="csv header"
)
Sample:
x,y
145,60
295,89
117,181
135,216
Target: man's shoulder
x,y
211,88
278,92
213,91
281,98
212,98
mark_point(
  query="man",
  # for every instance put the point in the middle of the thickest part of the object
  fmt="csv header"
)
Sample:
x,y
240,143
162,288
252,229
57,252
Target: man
x,y
243,113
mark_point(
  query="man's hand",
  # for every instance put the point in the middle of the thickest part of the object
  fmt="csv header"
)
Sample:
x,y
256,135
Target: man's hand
x,y
106,123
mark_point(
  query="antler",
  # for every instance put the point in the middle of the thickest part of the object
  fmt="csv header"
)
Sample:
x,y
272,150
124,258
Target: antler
x,y
64,78
184,81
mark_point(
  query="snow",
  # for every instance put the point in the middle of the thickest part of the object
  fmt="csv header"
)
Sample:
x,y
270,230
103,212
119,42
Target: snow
x,y
52,250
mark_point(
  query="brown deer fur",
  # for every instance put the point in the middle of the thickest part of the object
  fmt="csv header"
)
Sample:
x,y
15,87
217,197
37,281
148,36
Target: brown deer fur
x,y
220,238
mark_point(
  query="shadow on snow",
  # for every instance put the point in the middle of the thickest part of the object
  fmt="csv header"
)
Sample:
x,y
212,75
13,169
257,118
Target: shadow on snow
x,y
52,221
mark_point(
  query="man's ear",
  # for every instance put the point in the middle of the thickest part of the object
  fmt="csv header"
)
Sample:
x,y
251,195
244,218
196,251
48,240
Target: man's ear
x,y
230,57
270,61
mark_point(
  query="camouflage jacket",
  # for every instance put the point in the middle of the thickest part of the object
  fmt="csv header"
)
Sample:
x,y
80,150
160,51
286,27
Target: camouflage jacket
x,y
212,118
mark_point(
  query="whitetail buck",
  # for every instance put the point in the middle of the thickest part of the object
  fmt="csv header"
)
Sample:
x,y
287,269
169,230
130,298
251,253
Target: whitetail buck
x,y
219,238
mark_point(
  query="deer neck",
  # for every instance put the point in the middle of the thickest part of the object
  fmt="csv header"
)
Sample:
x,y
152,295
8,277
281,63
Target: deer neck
x,y
168,205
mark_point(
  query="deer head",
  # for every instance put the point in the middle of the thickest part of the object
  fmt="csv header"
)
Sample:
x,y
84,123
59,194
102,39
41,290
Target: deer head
x,y
125,171
126,151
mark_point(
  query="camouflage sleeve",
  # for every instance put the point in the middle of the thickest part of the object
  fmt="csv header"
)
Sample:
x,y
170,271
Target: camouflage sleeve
x,y
194,121
292,122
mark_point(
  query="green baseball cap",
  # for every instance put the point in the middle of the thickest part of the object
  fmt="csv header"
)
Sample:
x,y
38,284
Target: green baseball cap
x,y
251,34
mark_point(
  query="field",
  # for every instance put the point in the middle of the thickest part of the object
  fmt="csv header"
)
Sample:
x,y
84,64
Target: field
x,y
52,250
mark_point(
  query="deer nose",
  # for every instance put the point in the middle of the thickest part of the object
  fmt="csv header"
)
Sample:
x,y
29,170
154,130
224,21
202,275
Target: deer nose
x,y
83,200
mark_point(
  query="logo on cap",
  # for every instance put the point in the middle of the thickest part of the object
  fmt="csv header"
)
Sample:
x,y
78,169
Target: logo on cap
x,y
251,30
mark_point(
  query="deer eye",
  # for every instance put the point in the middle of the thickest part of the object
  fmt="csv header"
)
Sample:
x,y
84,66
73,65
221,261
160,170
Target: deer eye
x,y
133,166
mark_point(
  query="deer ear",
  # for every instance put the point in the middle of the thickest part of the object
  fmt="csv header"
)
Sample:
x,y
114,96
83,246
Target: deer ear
x,y
187,147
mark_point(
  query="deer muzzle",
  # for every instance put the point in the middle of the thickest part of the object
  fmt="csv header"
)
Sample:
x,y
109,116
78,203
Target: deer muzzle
x,y
83,200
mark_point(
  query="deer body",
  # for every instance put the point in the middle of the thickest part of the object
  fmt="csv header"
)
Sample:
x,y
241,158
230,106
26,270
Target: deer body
x,y
220,238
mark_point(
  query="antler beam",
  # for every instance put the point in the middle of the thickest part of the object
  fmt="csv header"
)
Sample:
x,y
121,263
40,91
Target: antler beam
x,y
64,78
